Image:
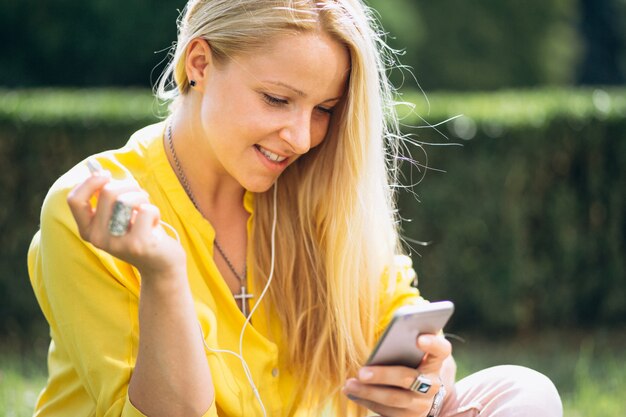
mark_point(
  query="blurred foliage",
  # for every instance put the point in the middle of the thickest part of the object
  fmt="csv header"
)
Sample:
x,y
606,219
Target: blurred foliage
x,y
604,32
527,227
43,133
450,44
91,108
85,43
488,44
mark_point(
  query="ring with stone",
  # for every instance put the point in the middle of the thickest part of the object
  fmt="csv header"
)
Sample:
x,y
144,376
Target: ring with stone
x,y
421,384
120,219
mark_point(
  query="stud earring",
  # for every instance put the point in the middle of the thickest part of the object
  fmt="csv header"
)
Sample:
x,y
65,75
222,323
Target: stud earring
x,y
192,83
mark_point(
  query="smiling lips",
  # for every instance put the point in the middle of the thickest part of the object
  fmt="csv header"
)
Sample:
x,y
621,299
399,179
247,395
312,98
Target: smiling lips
x,y
271,155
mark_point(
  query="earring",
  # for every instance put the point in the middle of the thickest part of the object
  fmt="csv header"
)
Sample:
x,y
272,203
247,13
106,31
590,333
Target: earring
x,y
192,83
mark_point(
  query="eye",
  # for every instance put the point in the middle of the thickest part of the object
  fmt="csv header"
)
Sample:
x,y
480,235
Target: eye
x,y
273,101
326,110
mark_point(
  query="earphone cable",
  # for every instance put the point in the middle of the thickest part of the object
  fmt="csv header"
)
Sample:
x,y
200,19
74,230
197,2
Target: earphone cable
x,y
239,355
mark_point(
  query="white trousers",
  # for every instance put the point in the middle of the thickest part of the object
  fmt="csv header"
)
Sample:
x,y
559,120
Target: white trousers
x,y
504,391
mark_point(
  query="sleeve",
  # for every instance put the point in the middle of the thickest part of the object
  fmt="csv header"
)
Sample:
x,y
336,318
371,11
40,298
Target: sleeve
x,y
397,289
90,300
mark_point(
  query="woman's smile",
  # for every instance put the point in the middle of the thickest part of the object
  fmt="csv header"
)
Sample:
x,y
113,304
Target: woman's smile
x,y
277,104
274,163
274,157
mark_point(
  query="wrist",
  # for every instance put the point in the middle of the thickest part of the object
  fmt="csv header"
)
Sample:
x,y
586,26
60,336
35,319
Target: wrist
x,y
166,281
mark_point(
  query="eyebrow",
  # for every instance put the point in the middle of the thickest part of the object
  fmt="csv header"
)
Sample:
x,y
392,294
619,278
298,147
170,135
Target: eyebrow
x,y
295,90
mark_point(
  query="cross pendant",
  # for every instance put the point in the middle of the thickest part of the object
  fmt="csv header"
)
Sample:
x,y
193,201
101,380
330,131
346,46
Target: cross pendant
x,y
244,297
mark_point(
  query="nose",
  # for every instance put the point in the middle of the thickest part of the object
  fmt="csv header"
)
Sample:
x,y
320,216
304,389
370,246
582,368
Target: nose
x,y
297,133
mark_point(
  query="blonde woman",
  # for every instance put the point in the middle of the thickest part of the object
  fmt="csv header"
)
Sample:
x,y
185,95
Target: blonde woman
x,y
241,257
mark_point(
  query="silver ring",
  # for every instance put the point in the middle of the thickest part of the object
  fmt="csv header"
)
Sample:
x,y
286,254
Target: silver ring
x,y
120,219
421,384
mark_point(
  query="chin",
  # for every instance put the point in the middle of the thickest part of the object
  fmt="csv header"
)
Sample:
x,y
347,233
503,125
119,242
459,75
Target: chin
x,y
259,186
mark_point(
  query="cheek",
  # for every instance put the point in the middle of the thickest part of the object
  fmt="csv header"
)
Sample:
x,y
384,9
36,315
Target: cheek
x,y
231,125
319,128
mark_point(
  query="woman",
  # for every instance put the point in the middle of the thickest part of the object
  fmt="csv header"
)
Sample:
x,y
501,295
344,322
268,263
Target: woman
x,y
228,261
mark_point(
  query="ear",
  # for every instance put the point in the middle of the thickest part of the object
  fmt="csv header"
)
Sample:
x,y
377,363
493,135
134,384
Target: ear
x,y
198,62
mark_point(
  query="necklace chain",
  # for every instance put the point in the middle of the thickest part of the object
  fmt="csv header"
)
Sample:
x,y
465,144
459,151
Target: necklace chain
x,y
187,188
241,277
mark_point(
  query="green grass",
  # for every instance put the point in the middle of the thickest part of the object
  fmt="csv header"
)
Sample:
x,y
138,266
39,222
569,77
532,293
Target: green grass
x,y
22,375
588,368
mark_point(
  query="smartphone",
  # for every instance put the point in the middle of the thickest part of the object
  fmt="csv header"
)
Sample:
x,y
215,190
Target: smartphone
x,y
397,345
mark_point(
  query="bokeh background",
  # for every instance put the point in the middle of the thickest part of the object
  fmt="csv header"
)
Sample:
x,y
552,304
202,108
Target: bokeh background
x,y
514,206
450,44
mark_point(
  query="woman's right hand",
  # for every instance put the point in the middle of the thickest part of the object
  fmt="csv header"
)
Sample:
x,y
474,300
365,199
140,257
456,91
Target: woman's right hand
x,y
145,245
171,362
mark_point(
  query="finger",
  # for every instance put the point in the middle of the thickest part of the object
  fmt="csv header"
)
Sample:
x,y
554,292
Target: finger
x,y
378,408
387,396
79,202
437,349
108,196
395,376
416,406
94,166
146,220
133,199
140,240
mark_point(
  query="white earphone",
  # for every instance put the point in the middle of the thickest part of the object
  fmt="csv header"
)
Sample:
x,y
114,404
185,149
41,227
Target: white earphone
x,y
95,167
239,355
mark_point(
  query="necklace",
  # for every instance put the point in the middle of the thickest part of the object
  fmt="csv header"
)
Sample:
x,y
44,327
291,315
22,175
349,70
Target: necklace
x,y
243,296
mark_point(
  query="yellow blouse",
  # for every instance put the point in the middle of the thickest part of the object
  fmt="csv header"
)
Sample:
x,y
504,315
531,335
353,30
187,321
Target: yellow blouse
x,y
90,299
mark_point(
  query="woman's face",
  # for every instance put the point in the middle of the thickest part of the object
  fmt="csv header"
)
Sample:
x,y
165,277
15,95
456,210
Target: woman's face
x,y
263,110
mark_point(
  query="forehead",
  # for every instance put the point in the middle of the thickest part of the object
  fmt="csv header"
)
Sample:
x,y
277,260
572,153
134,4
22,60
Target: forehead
x,y
313,63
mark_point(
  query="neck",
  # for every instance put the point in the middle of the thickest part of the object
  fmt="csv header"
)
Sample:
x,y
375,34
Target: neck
x,y
217,195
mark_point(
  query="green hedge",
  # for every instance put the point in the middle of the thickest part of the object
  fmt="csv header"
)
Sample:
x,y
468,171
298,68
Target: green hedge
x,y
42,134
526,227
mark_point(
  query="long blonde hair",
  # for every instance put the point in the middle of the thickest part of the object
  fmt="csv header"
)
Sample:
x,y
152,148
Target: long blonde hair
x,y
337,229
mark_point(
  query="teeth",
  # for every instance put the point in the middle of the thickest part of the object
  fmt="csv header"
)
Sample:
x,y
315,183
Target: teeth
x,y
271,156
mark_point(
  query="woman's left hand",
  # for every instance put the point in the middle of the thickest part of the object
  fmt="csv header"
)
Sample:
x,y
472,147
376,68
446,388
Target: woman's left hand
x,y
386,389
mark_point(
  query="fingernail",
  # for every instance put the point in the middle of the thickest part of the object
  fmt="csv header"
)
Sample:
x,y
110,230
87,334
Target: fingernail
x,y
365,374
352,397
94,166
351,383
